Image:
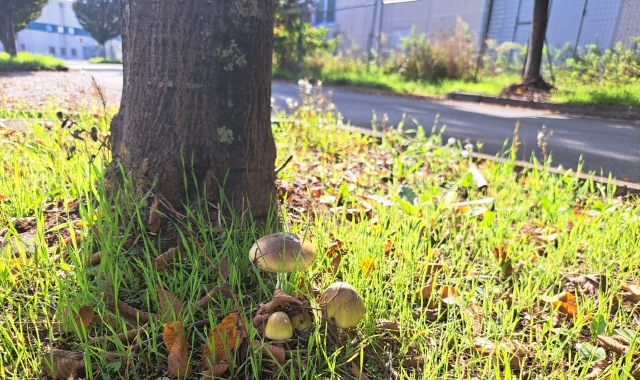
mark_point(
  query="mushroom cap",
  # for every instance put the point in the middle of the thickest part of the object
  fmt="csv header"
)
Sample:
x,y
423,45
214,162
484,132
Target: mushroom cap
x,y
302,322
278,326
282,252
342,304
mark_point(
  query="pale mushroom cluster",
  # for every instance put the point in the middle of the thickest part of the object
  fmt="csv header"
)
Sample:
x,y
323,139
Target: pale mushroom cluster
x,y
282,253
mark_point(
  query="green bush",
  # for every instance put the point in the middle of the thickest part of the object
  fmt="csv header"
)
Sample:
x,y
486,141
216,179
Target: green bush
x,y
617,66
30,62
104,60
422,59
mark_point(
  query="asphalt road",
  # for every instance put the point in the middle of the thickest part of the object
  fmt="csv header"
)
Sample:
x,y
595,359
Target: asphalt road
x,y
607,146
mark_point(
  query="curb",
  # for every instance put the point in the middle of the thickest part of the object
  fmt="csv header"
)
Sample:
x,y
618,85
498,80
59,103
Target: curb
x,y
606,112
622,187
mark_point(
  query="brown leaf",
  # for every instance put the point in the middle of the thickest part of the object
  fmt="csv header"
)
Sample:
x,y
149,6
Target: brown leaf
x,y
475,313
162,262
449,295
95,259
590,284
171,330
62,364
611,344
224,338
170,305
215,371
335,264
336,248
204,301
564,302
391,327
127,337
355,371
633,291
131,314
154,217
280,298
84,317
273,352
514,350
178,360
224,269
432,268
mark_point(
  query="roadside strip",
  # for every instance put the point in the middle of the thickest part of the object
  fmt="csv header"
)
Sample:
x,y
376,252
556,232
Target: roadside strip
x,y
606,112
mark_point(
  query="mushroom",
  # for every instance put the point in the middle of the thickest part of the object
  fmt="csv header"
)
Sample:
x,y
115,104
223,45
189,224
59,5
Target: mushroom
x,y
342,304
302,322
278,326
282,253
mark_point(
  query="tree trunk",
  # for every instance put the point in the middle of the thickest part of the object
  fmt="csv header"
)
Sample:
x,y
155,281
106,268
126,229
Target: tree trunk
x,y
104,50
536,41
197,86
7,37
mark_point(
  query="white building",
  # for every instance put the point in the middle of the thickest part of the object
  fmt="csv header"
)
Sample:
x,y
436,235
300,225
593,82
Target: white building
x,y
57,32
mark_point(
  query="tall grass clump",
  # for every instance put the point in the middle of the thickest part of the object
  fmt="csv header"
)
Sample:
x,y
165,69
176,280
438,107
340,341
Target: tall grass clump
x,y
30,62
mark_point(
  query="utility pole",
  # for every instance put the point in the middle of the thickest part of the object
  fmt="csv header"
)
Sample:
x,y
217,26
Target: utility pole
x,y
483,44
373,30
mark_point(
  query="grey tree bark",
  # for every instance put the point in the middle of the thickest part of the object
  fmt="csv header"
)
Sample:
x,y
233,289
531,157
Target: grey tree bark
x,y
536,41
7,36
197,87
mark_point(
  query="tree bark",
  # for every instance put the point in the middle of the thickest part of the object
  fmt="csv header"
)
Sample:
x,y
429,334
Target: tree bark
x,y
536,41
7,36
197,87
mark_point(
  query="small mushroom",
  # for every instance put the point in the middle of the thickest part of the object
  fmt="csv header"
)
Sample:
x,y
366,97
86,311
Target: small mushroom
x,y
302,322
342,304
281,253
278,326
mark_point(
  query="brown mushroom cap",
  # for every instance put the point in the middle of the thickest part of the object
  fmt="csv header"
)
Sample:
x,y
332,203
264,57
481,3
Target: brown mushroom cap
x,y
282,252
342,304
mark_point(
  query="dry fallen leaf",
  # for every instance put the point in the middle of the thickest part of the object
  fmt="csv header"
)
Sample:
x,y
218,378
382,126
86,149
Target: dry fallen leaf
x,y
62,364
514,350
335,264
276,353
170,305
224,268
215,371
564,302
178,360
336,248
609,343
162,262
128,312
355,371
632,291
84,317
204,301
224,339
154,217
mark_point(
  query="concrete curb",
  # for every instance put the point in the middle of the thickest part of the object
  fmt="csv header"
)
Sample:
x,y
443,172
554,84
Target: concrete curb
x,y
620,113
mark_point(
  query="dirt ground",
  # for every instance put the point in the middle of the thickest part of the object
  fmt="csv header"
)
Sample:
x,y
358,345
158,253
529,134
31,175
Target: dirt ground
x,y
35,90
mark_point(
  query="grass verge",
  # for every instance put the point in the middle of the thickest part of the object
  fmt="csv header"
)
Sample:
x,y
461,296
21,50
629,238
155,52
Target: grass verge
x,y
104,60
532,277
30,62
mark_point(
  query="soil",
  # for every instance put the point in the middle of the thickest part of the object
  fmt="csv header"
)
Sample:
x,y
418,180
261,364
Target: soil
x,y
535,89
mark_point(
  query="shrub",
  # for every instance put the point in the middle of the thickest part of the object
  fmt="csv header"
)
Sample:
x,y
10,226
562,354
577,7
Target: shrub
x,y
30,62
104,60
617,66
426,60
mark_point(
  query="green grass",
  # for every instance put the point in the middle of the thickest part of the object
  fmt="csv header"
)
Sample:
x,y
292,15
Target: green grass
x,y
391,203
625,95
104,60
30,62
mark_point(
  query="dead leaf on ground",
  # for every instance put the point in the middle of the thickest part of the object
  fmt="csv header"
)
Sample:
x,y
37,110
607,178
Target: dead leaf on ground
x,y
171,306
474,312
224,268
162,262
514,350
387,325
130,313
154,217
126,337
335,264
632,291
62,364
355,371
590,284
224,339
84,317
215,371
337,247
269,350
564,302
178,360
204,301
609,343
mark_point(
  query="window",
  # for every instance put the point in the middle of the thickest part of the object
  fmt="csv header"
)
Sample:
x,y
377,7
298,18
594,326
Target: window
x,y
63,52
71,31
61,29
74,53
49,28
52,51
325,12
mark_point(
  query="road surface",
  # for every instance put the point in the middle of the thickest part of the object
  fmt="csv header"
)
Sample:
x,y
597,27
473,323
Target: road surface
x,y
607,146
